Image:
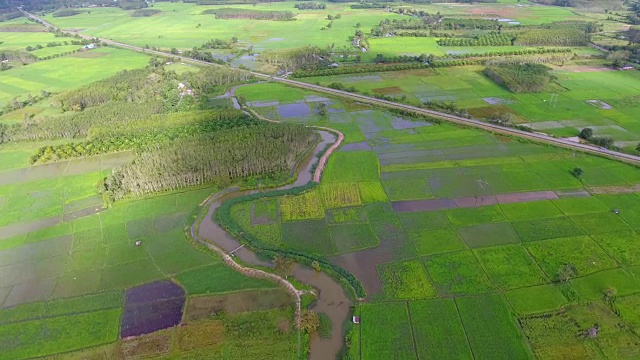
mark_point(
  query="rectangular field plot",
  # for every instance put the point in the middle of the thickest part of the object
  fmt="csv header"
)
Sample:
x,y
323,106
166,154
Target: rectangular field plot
x,y
429,242
219,279
340,195
407,189
438,331
386,332
352,166
371,192
542,229
570,257
579,206
349,215
530,210
457,274
510,266
564,335
600,223
405,280
491,329
482,235
616,281
308,235
352,237
59,334
628,307
536,299
304,206
623,246
428,220
475,215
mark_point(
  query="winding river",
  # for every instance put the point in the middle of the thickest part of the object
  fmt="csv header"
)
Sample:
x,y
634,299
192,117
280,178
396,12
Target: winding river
x,y
331,298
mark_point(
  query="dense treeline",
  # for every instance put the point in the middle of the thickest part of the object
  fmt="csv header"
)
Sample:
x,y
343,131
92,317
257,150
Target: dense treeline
x,y
491,39
553,37
145,12
292,59
216,157
369,6
310,6
369,68
10,16
520,77
66,12
138,134
132,4
426,21
231,13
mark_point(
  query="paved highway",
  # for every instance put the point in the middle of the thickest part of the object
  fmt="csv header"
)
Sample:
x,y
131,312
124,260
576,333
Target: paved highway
x,y
537,137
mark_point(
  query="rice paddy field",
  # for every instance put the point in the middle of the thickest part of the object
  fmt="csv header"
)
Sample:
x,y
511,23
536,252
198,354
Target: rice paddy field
x,y
60,73
72,277
468,244
581,96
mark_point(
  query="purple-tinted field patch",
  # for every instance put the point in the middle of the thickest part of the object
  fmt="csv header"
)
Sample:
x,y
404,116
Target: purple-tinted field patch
x,y
423,205
293,110
151,307
356,146
400,124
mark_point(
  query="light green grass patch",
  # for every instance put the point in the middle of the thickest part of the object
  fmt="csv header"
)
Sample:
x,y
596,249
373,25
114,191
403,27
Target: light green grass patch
x,y
391,340
63,333
478,215
271,92
429,242
405,280
614,282
530,210
489,234
491,329
340,195
536,299
628,307
407,189
426,220
579,206
304,206
358,166
457,273
622,246
438,330
541,229
371,192
600,223
510,266
218,279
580,252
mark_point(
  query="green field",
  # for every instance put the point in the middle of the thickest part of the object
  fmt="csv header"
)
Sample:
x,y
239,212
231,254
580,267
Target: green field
x,y
457,243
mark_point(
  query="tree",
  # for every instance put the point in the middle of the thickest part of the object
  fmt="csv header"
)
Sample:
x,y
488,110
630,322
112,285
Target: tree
x,y
316,265
566,273
322,109
618,58
283,266
638,148
329,17
577,172
586,134
309,321
358,25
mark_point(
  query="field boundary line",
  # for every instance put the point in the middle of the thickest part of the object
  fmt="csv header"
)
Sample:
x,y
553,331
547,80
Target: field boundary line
x,y
464,328
413,334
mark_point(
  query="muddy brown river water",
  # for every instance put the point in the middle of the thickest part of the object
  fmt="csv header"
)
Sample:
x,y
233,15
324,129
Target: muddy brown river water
x,y
331,297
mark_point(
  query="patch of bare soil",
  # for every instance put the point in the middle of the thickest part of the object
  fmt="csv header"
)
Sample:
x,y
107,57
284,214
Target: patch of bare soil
x,y
584,68
90,54
201,335
388,90
203,307
145,346
614,189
